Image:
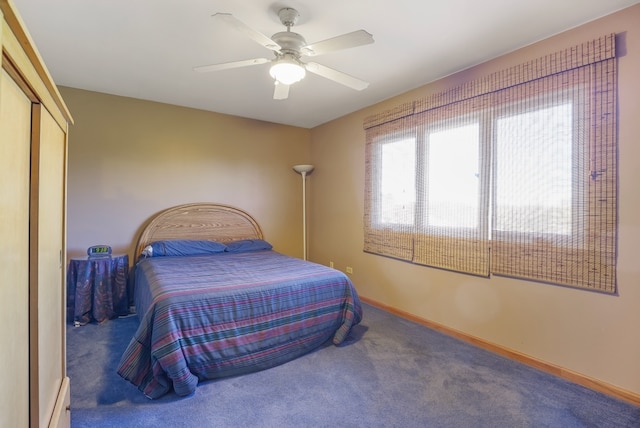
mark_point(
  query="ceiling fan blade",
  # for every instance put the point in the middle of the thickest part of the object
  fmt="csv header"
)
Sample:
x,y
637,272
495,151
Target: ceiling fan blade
x,y
233,64
336,76
248,31
345,41
281,91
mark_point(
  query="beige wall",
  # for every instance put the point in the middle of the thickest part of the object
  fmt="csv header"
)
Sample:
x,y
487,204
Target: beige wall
x,y
129,159
586,332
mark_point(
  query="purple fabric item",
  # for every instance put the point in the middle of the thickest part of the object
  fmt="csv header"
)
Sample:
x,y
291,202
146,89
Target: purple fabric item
x,y
204,317
97,289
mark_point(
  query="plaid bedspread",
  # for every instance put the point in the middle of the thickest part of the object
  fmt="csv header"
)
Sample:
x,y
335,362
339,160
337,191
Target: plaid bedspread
x,y
231,313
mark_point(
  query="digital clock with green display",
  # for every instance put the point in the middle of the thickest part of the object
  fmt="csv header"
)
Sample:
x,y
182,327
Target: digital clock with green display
x,y
99,251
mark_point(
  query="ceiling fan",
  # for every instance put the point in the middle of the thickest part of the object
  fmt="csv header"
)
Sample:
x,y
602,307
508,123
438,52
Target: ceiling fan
x,y
286,67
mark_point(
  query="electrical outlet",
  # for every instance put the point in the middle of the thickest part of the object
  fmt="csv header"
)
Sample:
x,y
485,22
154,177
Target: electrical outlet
x,y
330,264
349,269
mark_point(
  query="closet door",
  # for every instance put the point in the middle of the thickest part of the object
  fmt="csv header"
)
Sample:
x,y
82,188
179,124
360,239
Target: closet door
x,y
47,243
15,150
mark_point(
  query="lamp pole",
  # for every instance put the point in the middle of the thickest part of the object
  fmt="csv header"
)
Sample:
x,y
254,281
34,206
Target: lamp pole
x,y
304,170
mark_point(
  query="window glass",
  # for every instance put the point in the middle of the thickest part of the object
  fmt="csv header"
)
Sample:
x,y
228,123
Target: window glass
x,y
452,170
534,171
397,182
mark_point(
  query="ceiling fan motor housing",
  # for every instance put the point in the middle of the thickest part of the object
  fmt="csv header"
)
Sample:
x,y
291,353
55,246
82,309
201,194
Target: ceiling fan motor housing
x,y
290,42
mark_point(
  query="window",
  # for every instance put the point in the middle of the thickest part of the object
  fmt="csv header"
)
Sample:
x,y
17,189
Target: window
x,y
534,171
452,159
397,182
510,175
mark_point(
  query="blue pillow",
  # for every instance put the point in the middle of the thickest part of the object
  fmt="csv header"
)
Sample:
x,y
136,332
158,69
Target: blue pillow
x,y
183,247
248,245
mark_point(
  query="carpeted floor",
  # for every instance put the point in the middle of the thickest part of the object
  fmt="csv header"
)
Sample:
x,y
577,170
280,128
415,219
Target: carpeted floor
x,y
390,373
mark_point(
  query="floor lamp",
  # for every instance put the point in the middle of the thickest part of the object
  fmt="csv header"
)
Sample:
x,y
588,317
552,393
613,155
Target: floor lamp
x,y
304,170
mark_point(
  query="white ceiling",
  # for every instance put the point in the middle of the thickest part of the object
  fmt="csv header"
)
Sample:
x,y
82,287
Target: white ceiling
x,y
147,48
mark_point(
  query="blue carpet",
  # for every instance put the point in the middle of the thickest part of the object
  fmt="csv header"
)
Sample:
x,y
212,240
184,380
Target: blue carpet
x,y
390,373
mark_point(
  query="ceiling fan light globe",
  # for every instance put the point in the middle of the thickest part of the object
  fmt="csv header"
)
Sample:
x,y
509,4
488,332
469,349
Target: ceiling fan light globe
x,y
287,72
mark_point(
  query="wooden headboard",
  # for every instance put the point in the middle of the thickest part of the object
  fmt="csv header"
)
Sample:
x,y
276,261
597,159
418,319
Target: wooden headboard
x,y
206,221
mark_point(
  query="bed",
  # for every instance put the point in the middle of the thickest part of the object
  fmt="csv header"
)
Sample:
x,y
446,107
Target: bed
x,y
214,300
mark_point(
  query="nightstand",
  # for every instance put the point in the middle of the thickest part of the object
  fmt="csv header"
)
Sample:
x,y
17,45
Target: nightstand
x,y
97,289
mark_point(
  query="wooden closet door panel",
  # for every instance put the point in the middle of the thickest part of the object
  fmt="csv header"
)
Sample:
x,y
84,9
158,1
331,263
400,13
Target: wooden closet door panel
x,y
50,289
15,149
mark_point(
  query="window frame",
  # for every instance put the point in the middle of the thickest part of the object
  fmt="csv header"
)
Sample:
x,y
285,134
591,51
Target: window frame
x,y
424,155
579,148
378,144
